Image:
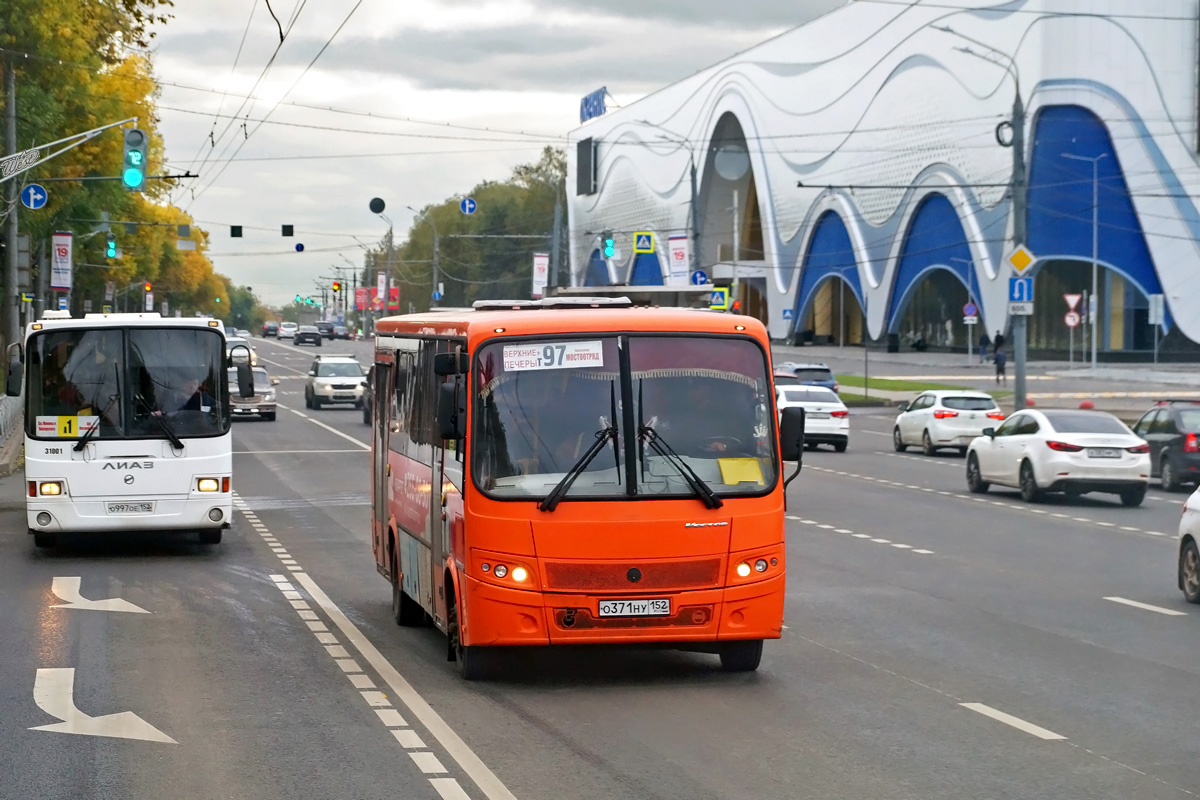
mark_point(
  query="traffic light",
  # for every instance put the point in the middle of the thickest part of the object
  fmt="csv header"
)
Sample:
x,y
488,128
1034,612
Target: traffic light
x,y
337,286
133,165
147,286
299,299
608,244
218,300
110,247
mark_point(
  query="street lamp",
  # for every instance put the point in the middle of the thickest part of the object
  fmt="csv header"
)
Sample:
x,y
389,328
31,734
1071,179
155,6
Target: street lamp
x,y
437,287
1020,331
694,205
1095,161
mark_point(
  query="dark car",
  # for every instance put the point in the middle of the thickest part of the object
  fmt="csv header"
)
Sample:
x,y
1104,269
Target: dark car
x,y
341,332
270,328
808,374
1172,429
307,333
326,329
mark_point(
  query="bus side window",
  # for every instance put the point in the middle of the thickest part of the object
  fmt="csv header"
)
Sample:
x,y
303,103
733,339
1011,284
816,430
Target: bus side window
x,y
400,401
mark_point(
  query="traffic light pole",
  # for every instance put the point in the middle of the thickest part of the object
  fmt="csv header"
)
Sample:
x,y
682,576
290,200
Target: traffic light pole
x,y
10,317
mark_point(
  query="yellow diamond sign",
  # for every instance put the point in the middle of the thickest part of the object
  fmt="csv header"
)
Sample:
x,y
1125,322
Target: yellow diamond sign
x,y
1021,258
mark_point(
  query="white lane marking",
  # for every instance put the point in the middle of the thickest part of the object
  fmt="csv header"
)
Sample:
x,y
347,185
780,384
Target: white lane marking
x,y
840,530
54,693
345,436
448,789
376,699
1016,722
294,567
287,452
316,627
903,546
324,637
347,664
1170,612
861,535
1153,533
307,614
457,749
428,763
361,681
924,552
292,595
825,527
882,541
391,718
875,433
337,651
67,590
299,604
408,738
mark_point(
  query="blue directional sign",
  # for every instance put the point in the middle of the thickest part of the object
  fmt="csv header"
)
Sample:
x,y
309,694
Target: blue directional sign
x,y
34,196
699,278
468,206
1020,290
62,303
437,296
789,313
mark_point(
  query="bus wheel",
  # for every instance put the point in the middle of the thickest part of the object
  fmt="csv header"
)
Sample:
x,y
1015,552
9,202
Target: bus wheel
x,y
406,611
210,536
743,656
470,660
43,540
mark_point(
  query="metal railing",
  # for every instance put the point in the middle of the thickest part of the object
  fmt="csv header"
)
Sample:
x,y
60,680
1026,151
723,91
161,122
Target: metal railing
x,y
11,413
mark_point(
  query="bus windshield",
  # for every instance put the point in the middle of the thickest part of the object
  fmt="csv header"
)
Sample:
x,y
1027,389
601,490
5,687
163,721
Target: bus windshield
x,y
700,404
127,383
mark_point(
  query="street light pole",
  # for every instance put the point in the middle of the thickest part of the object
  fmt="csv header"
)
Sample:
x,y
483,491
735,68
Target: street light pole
x,y
1092,316
694,204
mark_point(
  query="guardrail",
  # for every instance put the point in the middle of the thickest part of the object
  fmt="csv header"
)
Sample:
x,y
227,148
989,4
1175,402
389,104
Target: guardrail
x,y
11,409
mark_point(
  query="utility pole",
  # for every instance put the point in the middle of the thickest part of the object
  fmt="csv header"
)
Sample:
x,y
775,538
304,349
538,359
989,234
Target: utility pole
x,y
8,319
1020,329
437,285
555,238
387,278
695,216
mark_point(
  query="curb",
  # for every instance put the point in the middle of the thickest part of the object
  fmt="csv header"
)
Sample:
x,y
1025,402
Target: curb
x,y
868,403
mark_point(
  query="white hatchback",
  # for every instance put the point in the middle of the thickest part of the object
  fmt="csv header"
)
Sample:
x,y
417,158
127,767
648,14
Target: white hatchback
x,y
826,418
287,330
1075,452
944,418
1187,574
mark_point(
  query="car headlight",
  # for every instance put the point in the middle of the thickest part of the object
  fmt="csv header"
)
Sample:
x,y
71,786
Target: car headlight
x,y
269,397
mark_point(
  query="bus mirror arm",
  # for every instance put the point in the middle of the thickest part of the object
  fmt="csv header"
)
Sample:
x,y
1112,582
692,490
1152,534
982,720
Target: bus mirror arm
x,y
12,381
446,364
791,441
451,411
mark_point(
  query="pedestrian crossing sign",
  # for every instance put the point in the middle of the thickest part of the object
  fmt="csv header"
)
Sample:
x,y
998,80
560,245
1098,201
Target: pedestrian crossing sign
x,y
643,242
720,299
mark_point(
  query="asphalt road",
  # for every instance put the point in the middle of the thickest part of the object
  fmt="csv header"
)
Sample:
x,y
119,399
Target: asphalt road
x,y
939,645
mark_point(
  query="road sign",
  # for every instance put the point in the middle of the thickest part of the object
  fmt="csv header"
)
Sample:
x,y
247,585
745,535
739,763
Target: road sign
x,y
1072,300
699,278
1021,258
643,242
62,303
1072,319
720,298
106,308
789,313
437,296
971,320
468,206
34,196
970,310
1157,315
87,306
1020,309
1020,290
26,297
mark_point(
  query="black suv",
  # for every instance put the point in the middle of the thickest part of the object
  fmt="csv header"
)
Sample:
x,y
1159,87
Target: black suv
x,y
1172,429
307,333
326,329
270,328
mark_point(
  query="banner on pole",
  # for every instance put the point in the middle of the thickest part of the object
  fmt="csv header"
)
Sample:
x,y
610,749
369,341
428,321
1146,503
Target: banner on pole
x,y
149,301
541,274
678,254
381,282
360,298
60,262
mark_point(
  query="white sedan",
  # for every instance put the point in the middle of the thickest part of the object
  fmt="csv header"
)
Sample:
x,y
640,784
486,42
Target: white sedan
x,y
826,418
1075,452
1188,573
944,418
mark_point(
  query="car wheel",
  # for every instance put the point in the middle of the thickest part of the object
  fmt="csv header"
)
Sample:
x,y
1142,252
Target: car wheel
x,y
841,446
975,482
307,400
898,440
470,660
1170,481
1030,492
1133,497
210,536
927,444
316,403
743,656
1189,572
318,342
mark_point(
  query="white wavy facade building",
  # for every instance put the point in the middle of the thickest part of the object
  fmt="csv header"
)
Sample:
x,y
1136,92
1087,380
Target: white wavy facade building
x,y
859,162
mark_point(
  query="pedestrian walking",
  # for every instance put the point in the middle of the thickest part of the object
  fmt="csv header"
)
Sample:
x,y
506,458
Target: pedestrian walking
x,y
984,343
1001,359
998,341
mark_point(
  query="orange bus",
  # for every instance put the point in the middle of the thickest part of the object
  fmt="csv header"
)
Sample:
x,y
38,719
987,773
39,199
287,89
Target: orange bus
x,y
579,472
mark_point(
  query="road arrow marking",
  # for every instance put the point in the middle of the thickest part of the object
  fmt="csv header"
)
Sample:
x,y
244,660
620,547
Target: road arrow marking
x,y
54,693
67,590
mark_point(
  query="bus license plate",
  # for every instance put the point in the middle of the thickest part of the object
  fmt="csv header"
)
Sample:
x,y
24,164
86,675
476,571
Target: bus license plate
x,y
1103,452
655,607
131,508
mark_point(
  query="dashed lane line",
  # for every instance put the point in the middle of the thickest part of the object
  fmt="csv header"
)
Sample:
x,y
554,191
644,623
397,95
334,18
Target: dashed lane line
x,y
1016,722
825,527
427,762
1169,612
329,428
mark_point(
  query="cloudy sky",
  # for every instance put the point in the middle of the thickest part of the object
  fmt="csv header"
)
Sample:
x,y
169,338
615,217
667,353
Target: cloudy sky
x,y
412,101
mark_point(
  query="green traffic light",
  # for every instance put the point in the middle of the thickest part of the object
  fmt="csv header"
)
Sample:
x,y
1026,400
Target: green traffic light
x,y
218,299
132,177
111,248
135,157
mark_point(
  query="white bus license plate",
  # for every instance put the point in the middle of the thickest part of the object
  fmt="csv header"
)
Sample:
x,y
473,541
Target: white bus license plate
x,y
1103,452
131,508
654,607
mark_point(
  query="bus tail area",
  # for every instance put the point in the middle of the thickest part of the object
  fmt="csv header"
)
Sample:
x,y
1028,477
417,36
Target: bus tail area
x,y
127,425
580,475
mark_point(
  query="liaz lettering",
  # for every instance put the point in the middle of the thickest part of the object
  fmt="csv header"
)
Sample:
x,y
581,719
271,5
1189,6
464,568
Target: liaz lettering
x,y
128,465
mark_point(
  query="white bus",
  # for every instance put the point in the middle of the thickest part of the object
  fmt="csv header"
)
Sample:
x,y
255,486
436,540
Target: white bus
x,y
127,425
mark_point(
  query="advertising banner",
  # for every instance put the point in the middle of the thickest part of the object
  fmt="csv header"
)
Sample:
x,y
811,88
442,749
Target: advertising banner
x,y
541,274
360,298
60,262
376,302
678,268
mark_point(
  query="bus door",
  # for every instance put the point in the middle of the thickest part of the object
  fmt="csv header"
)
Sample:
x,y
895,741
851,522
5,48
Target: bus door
x,y
381,389
447,507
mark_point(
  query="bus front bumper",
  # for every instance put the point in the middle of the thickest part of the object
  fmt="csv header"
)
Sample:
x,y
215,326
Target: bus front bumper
x,y
129,514
500,616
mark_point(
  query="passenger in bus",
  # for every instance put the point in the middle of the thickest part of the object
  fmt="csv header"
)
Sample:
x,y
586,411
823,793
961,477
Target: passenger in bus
x,y
708,419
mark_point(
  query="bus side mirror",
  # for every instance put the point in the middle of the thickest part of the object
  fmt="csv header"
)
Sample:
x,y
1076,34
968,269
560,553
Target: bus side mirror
x,y
445,364
451,411
245,377
791,433
12,384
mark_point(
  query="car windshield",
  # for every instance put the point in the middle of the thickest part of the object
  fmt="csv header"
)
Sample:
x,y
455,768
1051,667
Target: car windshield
x,y
1085,422
969,403
119,379
813,374
261,381
540,405
813,394
339,369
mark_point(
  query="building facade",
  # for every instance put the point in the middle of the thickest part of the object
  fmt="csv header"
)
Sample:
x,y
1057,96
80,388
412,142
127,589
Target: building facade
x,y
856,173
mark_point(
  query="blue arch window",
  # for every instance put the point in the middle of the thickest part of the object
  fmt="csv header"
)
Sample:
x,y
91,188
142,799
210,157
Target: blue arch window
x,y
936,240
646,271
597,271
830,254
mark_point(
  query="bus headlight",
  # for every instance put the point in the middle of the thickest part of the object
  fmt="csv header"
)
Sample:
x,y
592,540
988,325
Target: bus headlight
x,y
50,488
500,571
519,574
743,570
208,485
760,565
215,514
43,519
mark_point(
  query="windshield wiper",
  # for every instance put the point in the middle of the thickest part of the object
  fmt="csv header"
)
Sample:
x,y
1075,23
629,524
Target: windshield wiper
x,y
163,424
697,484
90,432
551,501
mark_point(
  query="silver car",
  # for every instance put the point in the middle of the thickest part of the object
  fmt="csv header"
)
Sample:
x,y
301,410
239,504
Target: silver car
x,y
261,404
